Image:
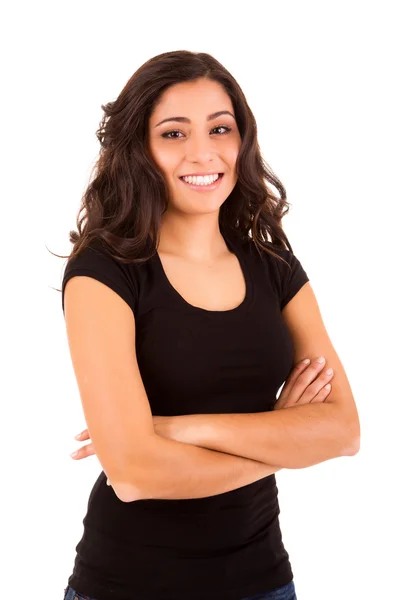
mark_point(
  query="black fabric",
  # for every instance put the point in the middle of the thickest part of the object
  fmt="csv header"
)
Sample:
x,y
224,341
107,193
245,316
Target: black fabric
x,y
222,547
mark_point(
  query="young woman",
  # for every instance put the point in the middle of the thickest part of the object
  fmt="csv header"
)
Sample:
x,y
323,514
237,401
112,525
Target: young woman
x,y
186,310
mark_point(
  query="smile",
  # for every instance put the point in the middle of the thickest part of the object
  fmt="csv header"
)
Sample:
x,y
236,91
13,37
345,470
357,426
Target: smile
x,y
202,184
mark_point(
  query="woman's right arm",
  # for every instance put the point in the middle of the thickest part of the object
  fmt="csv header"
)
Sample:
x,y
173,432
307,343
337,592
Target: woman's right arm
x,y
139,464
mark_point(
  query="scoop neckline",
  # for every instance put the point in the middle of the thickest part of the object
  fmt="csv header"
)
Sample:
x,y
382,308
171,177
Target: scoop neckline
x,y
233,245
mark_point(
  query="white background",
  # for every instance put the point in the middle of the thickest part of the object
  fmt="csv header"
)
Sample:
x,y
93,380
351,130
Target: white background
x,y
321,79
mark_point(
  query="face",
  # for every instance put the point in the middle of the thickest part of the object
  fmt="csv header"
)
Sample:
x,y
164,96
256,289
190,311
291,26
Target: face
x,y
188,138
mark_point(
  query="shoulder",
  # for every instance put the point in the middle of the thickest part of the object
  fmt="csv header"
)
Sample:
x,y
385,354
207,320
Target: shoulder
x,y
283,268
92,256
275,257
97,262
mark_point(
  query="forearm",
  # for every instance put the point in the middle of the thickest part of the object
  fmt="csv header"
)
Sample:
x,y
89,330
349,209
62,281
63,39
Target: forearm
x,y
176,470
291,438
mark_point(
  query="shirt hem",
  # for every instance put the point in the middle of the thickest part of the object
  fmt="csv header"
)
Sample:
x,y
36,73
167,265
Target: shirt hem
x,y
263,585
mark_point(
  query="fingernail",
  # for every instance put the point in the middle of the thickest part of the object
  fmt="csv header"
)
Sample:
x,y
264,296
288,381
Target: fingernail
x,y
73,454
306,361
78,435
320,360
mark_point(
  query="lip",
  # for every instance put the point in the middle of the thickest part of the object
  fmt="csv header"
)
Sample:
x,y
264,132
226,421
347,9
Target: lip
x,y
203,188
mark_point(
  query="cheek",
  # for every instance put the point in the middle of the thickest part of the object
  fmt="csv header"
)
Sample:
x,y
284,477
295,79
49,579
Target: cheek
x,y
166,158
231,152
231,159
167,165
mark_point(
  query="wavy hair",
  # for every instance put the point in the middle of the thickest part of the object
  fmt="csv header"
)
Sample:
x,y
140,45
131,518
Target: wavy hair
x,y
122,206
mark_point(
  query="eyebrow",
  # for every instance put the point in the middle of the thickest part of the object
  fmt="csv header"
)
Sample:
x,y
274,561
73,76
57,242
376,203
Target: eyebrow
x,y
186,120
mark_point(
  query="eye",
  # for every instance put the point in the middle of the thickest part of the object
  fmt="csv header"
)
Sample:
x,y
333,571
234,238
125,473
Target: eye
x,y
167,134
228,129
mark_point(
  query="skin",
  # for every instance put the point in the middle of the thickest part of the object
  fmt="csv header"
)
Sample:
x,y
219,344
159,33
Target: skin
x,y
189,227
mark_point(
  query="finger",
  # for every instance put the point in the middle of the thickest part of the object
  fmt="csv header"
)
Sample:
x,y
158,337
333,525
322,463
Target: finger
x,y
83,452
315,387
83,435
322,394
302,385
289,383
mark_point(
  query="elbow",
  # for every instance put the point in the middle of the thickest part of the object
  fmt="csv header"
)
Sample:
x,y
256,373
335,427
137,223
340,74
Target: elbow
x,y
137,479
351,446
125,492
133,489
350,449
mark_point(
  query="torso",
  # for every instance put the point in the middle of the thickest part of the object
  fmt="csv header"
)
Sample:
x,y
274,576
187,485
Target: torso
x,y
218,286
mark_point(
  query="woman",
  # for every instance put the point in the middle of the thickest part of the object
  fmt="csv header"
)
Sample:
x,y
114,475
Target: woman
x,y
186,311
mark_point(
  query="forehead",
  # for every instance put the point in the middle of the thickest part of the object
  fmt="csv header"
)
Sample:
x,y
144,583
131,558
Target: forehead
x,y
195,99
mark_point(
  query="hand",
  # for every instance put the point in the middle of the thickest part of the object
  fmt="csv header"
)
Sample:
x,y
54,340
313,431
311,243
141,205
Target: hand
x,y
87,450
305,385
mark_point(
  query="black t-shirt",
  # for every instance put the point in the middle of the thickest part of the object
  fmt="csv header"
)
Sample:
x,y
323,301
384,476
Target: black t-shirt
x,y
193,360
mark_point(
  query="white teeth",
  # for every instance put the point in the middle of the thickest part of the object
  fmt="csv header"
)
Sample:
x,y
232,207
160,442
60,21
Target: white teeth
x,y
199,180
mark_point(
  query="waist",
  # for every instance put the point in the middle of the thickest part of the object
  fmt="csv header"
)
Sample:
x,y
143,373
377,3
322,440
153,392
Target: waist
x,y
155,548
195,526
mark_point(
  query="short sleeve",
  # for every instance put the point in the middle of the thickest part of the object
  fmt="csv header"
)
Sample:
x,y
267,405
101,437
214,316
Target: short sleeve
x,y
290,279
97,263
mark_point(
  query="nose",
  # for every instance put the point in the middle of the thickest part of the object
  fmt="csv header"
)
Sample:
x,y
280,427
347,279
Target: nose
x,y
199,148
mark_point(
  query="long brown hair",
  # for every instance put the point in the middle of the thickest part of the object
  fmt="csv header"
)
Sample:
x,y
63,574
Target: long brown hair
x,y
122,206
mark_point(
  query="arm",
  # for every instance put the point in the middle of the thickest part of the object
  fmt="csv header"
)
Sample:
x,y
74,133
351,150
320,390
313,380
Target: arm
x,y
178,470
293,438
137,462
219,472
